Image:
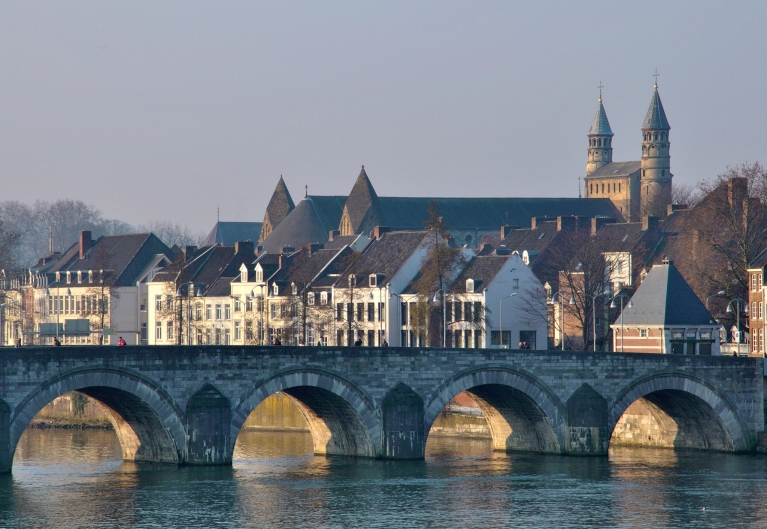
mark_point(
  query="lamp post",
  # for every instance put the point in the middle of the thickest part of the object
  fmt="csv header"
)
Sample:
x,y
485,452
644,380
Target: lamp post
x,y
407,316
190,285
718,294
559,295
742,306
613,305
594,313
444,312
500,320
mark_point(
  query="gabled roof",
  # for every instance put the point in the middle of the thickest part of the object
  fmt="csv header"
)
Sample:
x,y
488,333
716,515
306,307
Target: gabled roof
x,y
532,239
209,267
310,222
760,261
617,169
228,233
625,237
664,298
600,126
362,203
279,207
387,255
482,269
125,256
304,269
656,116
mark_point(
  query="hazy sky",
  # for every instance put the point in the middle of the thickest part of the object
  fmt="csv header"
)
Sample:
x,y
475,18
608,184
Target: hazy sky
x,y
194,105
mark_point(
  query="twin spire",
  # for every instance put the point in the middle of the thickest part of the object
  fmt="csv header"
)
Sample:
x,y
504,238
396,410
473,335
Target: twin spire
x,y
654,120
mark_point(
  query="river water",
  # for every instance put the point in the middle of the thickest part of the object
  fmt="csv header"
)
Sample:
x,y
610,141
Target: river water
x,y
75,478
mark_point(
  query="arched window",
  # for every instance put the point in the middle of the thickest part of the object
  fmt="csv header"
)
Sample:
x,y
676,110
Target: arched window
x,y
619,187
591,188
603,188
656,136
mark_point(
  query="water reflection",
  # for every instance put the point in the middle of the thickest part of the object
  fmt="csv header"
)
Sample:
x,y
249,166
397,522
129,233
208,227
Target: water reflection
x,y
70,478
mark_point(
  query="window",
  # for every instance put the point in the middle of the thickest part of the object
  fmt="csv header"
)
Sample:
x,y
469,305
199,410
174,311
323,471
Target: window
x,y
515,283
218,336
643,333
259,275
294,289
169,303
371,312
753,282
760,310
218,311
158,303
620,267
753,309
275,290
198,311
310,298
339,311
380,311
169,330
158,330
227,336
237,331
237,305
274,309
227,312
207,336
619,187
208,311
248,304
360,311
349,312
248,330
323,298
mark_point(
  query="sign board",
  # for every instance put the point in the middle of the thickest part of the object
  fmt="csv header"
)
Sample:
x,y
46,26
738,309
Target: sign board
x,y
108,332
79,326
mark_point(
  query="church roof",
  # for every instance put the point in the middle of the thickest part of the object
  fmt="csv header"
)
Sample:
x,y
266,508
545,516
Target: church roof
x,y
361,200
600,126
228,233
665,298
280,205
409,213
309,222
656,116
616,169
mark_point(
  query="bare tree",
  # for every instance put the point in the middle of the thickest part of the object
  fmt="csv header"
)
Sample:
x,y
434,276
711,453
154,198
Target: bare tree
x,y
686,194
101,299
173,234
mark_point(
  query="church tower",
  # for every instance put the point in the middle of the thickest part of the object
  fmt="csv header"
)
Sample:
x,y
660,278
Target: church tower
x,y
600,140
655,177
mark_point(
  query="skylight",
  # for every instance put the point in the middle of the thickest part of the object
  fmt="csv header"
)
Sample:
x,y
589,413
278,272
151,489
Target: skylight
x,y
625,237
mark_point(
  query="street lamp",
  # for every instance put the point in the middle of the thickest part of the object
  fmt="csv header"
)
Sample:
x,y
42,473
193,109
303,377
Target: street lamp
x,y
444,313
740,303
594,313
613,305
500,320
559,295
718,294
190,287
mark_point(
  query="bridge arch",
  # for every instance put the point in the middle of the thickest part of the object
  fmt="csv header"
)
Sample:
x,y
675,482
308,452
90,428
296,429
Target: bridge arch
x,y
146,421
343,420
522,413
679,411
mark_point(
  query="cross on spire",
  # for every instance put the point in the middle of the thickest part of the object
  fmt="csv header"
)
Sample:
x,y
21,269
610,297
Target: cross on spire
x,y
600,90
656,77
306,191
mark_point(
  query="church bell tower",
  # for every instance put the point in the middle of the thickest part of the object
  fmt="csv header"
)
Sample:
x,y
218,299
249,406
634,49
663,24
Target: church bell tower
x,y
655,178
600,140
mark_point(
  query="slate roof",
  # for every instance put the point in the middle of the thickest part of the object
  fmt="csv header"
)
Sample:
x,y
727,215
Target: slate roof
x,y
626,237
340,241
309,222
126,256
656,116
600,126
760,261
209,267
387,255
664,298
482,269
228,233
617,169
409,213
532,239
306,269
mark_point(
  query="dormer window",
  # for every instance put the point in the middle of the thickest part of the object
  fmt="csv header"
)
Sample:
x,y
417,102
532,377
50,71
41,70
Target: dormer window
x,y
275,290
470,286
323,298
294,289
373,282
259,275
79,277
352,280
69,277
310,298
90,276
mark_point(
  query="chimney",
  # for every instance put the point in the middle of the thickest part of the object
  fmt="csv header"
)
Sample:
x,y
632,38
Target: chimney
x,y
85,243
675,207
649,223
311,248
378,231
566,223
598,222
287,250
244,247
332,234
506,230
189,251
737,191
537,220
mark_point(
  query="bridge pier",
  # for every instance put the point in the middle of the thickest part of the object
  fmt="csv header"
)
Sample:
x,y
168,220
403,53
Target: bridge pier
x,y
586,432
208,419
403,435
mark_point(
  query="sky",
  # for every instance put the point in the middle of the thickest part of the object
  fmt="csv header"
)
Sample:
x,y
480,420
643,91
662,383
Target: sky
x,y
170,110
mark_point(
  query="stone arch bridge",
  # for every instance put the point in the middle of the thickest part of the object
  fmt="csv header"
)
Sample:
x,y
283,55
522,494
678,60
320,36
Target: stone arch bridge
x,y
186,405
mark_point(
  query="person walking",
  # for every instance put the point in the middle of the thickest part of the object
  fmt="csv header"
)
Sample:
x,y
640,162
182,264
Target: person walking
x,y
384,343
121,342
276,341
56,342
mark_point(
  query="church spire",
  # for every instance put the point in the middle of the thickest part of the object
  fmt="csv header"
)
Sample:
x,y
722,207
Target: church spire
x,y
600,139
655,178
362,210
